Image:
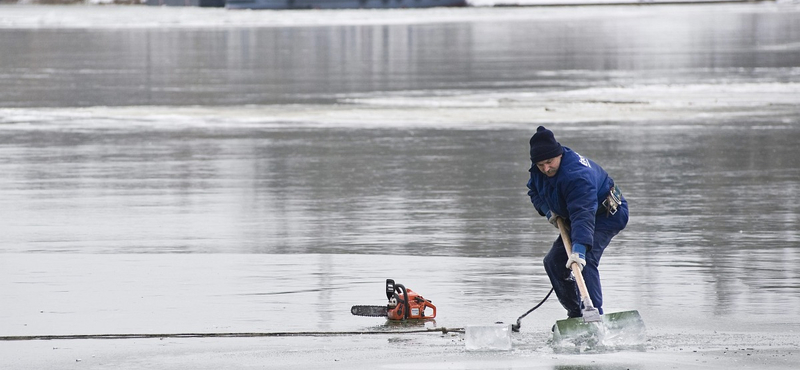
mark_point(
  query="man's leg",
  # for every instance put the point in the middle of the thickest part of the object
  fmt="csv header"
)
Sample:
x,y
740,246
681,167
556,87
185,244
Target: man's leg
x,y
591,275
566,290
605,229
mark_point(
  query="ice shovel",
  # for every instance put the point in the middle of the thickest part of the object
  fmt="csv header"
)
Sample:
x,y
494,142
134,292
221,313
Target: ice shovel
x,y
624,327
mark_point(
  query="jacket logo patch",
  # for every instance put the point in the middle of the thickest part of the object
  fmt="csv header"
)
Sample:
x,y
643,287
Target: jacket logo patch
x,y
584,161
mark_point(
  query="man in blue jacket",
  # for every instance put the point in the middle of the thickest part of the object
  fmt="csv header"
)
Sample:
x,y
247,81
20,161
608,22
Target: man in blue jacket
x,y
568,185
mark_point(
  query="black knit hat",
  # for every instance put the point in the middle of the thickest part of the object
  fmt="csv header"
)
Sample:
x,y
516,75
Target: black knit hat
x,y
544,145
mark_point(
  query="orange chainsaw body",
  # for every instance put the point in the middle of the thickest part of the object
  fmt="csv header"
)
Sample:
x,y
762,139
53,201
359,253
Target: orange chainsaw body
x,y
416,306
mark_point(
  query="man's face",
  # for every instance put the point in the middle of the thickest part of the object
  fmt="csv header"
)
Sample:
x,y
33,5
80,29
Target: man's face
x,y
549,167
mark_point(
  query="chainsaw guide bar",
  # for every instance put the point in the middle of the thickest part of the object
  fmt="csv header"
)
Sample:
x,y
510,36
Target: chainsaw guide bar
x,y
372,311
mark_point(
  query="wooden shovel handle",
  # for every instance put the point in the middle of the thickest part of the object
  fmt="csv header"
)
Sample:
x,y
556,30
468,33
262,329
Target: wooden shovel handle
x,y
576,270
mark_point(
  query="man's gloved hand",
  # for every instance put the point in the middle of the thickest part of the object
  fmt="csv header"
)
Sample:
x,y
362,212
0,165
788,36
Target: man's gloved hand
x,y
578,256
552,218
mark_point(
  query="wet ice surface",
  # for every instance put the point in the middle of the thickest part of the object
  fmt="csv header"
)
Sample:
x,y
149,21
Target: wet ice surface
x,y
207,293
224,191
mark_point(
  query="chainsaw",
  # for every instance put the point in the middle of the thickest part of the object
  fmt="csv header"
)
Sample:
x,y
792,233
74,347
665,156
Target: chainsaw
x,y
403,304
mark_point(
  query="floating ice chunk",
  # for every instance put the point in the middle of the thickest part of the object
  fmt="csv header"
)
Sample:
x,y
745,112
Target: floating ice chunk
x,y
495,337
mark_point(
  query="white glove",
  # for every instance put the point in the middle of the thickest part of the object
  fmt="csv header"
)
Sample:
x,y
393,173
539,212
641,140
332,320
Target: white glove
x,y
553,219
578,256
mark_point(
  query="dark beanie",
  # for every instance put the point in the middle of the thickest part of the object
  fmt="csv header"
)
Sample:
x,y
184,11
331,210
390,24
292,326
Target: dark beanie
x,y
544,145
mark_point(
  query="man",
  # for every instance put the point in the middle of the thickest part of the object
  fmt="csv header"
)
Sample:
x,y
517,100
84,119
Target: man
x,y
568,185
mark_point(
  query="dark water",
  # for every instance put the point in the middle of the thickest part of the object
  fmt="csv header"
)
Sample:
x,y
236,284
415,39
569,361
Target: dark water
x,y
336,204
120,67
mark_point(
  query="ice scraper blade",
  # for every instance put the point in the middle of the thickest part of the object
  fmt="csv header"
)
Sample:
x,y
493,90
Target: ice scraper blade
x,y
622,329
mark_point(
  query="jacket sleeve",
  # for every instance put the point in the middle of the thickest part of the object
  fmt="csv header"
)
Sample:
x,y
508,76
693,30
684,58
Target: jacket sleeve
x,y
581,197
538,203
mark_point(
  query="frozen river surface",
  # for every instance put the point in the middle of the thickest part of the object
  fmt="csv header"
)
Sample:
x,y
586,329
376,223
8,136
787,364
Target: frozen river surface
x,y
192,176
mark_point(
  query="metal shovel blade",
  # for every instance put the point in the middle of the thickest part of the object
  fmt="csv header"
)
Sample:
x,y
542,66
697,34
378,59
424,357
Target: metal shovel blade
x,y
618,329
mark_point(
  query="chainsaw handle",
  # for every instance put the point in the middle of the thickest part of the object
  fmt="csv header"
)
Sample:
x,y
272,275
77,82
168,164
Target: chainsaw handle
x,y
429,304
404,301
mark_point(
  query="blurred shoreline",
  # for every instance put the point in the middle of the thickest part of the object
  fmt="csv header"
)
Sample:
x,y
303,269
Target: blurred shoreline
x,y
471,3
114,16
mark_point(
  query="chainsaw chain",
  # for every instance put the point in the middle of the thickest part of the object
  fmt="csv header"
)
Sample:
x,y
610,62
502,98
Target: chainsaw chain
x,y
372,311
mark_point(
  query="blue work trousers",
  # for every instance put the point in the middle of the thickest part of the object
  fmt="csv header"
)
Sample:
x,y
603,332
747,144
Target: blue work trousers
x,y
606,227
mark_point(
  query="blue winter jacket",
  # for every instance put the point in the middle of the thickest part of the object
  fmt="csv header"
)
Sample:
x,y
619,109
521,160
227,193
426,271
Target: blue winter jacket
x,y
574,193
